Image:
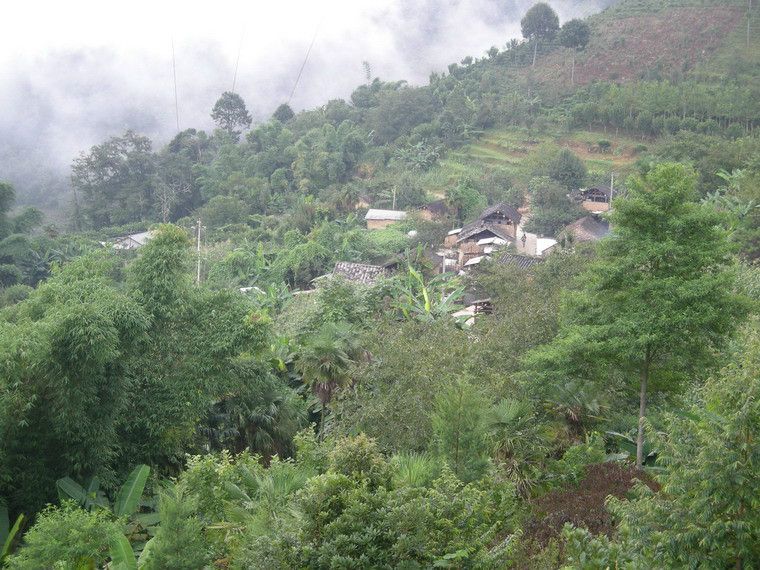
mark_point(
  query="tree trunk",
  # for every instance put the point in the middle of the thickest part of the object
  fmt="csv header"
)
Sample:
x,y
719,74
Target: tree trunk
x,y
535,53
642,412
321,434
572,73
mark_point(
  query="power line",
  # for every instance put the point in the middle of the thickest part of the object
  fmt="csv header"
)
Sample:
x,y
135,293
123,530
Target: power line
x,y
303,65
174,71
237,61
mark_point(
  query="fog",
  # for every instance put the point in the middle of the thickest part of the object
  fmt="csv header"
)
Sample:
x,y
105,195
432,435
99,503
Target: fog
x,y
74,73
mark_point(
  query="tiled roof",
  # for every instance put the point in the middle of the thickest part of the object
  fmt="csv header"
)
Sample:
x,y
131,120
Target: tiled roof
x,y
521,261
479,226
360,272
588,228
503,208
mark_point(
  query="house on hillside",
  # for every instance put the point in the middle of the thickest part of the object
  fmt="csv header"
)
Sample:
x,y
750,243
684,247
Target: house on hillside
x,y
434,210
379,219
519,261
534,245
132,241
596,199
361,273
588,228
495,228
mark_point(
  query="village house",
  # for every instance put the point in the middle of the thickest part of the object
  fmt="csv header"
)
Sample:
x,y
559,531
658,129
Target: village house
x,y
380,219
534,245
596,199
495,227
434,210
361,273
589,228
132,241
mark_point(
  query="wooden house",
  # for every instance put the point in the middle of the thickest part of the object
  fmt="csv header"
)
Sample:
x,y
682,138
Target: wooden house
x,y
595,199
434,210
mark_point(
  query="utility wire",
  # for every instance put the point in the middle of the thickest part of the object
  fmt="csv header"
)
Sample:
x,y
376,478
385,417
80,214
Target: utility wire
x,y
306,59
237,61
174,71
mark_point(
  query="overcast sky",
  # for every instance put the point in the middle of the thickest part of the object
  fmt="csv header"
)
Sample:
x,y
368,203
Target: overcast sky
x,y
73,72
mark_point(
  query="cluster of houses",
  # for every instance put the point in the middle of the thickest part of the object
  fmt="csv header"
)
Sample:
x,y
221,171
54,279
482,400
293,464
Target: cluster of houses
x,y
497,234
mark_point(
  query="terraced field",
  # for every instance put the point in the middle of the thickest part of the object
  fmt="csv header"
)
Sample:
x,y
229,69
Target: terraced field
x,y
518,150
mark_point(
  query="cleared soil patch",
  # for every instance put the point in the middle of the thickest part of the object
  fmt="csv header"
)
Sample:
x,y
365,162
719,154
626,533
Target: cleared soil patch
x,y
583,506
628,49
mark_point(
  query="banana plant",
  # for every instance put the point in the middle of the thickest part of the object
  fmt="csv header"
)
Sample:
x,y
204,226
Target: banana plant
x,y
439,297
140,526
127,499
8,533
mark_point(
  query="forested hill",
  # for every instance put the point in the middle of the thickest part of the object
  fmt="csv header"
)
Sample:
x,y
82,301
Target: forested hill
x,y
507,319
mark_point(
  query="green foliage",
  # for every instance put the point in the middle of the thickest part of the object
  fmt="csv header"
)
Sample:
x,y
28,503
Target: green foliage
x,y
459,430
575,34
465,200
360,459
128,498
230,113
519,443
540,22
436,299
159,275
707,508
567,169
638,313
551,209
66,537
114,181
396,389
179,542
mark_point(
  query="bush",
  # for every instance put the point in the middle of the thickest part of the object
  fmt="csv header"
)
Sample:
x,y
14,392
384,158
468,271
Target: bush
x,y
67,537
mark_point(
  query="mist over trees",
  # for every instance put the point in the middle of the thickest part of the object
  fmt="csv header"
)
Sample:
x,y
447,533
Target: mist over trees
x,y
229,353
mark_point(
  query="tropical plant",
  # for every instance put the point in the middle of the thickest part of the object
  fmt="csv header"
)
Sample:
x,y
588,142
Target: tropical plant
x,y
426,301
325,361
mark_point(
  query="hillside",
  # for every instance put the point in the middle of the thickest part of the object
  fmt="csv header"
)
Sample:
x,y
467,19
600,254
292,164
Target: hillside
x,y
640,40
501,320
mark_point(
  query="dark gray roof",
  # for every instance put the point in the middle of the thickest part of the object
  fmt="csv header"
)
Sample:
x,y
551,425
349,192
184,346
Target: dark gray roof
x,y
479,226
360,272
521,261
588,228
503,208
439,208
598,190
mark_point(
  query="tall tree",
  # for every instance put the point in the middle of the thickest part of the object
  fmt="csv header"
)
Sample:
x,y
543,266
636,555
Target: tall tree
x,y
659,298
283,113
324,363
115,181
540,23
230,114
575,35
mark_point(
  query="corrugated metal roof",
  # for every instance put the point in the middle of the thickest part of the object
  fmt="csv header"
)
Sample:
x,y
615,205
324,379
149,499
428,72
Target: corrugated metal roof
x,y
542,244
475,260
374,214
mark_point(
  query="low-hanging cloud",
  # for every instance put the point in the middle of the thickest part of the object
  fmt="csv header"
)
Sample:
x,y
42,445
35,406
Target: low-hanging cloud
x,y
86,73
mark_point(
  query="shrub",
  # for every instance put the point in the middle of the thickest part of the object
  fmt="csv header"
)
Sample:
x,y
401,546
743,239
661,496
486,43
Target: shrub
x,y
67,537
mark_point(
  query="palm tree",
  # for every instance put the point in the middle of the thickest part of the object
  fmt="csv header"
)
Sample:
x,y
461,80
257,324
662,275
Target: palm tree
x,y
325,362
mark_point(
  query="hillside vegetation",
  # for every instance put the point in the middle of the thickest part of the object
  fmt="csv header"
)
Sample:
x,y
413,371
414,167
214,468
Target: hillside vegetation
x,y
217,364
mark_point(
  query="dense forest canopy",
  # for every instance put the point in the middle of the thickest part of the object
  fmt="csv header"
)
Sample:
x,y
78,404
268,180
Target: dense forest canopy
x,y
504,319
